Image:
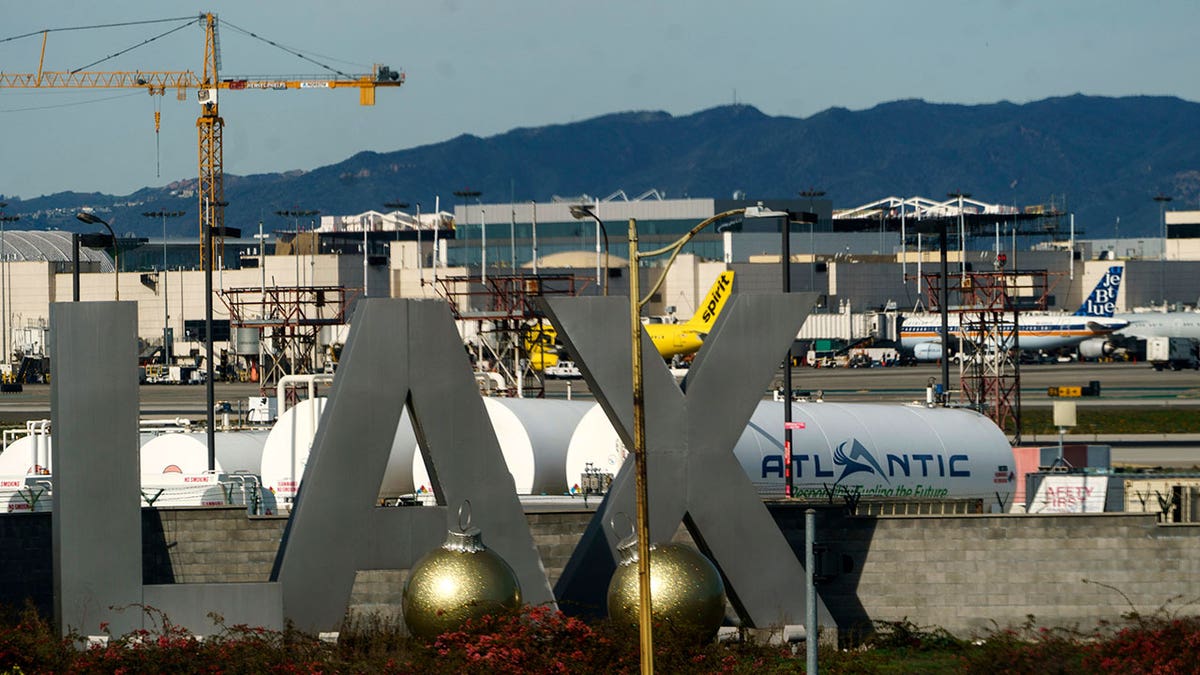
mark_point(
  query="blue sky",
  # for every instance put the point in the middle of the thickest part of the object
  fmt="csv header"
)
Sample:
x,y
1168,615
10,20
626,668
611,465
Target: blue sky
x,y
486,67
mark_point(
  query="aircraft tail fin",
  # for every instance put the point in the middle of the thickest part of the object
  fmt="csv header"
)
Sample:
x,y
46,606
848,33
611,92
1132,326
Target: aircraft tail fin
x,y
539,342
706,313
1103,300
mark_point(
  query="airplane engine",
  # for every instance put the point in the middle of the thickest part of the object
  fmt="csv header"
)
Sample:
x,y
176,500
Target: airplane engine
x,y
928,351
1096,348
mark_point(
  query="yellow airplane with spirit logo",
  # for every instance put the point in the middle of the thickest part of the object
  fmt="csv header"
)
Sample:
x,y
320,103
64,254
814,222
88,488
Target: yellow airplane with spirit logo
x,y
670,339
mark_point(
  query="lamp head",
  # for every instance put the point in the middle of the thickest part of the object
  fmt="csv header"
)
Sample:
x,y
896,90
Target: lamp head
x,y
582,211
90,218
760,211
95,240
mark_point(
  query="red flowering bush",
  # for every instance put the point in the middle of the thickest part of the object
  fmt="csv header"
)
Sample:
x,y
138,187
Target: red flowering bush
x,y
1028,649
538,639
28,644
1161,646
542,640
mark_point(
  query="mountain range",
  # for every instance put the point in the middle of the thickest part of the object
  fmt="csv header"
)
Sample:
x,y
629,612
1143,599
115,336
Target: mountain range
x,y
1099,158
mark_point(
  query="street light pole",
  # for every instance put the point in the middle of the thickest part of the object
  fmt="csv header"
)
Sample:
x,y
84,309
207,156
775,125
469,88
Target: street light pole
x,y
581,211
75,267
262,298
366,264
645,631
163,214
397,205
209,390
466,194
91,218
812,250
1162,259
296,215
785,259
209,371
533,205
962,237
6,290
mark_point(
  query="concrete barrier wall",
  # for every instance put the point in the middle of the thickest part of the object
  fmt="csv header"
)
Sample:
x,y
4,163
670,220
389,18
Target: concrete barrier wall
x,y
970,573
962,573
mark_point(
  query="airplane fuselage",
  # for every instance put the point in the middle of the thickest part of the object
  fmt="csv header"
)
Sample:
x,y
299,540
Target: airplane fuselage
x,y
1034,332
1161,324
674,339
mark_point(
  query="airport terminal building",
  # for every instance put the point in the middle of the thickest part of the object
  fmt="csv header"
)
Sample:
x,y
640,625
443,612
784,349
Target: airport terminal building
x,y
860,266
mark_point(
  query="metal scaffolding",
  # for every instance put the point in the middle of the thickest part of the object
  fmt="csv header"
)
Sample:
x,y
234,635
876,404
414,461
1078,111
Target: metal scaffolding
x,y
497,311
988,308
288,321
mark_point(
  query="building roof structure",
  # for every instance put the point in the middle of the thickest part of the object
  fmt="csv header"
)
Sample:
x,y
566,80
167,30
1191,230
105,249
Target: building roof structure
x,y
48,246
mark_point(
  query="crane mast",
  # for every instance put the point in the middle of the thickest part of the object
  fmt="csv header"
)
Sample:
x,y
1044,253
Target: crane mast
x,y
209,125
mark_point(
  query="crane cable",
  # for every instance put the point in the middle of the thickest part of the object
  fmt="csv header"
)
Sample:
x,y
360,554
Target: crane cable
x,y
68,105
101,25
289,50
131,48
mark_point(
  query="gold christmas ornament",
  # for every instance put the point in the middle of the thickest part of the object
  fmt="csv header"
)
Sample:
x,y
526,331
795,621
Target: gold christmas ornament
x,y
686,591
461,580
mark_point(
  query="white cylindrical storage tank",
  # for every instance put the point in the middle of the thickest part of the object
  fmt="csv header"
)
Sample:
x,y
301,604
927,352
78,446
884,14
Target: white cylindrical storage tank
x,y
879,450
286,450
874,449
594,442
285,453
26,454
533,435
398,476
245,341
172,489
187,453
28,499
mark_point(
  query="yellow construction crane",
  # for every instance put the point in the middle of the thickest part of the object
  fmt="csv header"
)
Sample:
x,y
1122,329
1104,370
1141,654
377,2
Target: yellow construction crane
x,y
209,124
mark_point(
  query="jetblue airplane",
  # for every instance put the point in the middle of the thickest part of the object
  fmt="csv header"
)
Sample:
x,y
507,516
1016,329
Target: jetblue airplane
x,y
921,335
1142,325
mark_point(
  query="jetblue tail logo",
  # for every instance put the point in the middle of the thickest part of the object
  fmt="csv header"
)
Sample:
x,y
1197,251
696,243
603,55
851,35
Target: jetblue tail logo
x,y
857,461
1103,300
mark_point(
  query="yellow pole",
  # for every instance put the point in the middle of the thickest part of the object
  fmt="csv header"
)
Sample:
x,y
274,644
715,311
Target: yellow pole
x,y
645,633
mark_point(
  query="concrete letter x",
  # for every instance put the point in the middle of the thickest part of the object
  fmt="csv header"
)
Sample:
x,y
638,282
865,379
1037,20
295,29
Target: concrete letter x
x,y
691,430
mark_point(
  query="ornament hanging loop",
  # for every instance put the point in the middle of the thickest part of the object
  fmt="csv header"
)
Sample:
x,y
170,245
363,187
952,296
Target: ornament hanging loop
x,y
464,515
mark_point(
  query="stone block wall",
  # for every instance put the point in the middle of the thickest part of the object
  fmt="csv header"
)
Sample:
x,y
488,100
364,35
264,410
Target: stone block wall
x,y
189,545
963,573
970,573
26,566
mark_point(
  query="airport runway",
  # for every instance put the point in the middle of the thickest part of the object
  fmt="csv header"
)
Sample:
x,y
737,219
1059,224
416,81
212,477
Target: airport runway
x,y
1120,383
1126,384
1135,384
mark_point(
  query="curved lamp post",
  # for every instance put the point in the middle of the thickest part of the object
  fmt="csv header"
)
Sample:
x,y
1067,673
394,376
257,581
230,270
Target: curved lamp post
x,y
581,211
93,219
639,407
